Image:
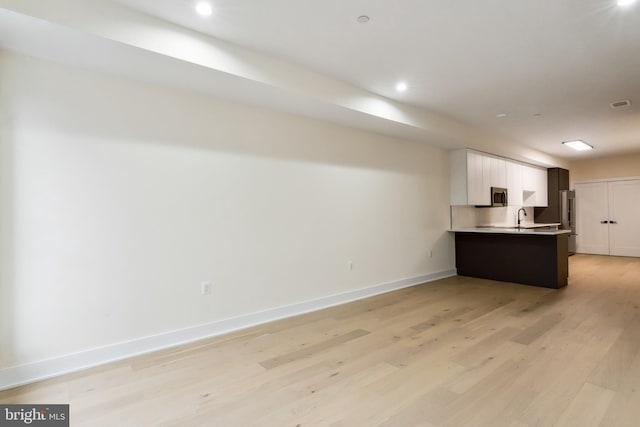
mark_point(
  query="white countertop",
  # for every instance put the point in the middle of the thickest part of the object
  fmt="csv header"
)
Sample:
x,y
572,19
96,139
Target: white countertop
x,y
502,230
522,225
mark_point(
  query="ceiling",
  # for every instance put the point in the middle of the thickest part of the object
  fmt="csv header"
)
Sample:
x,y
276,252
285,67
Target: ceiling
x,y
551,66
470,60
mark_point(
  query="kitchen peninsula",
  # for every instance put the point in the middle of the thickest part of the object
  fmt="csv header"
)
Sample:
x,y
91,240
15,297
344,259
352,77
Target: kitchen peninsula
x,y
529,256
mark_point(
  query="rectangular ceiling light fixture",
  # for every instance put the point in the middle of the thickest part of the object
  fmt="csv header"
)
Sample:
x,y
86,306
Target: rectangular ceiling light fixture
x,y
578,145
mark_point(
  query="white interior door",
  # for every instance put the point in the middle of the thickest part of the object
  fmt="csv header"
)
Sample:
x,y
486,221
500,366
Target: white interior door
x,y
592,216
624,214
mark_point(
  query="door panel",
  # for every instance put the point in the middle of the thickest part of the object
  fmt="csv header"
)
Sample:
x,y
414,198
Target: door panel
x,y
624,210
591,209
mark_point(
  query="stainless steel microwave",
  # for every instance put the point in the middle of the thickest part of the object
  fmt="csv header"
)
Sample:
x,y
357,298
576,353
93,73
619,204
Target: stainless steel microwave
x,y
499,196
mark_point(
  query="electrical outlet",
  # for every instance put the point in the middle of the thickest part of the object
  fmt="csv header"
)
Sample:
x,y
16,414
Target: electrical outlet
x,y
431,254
350,265
205,288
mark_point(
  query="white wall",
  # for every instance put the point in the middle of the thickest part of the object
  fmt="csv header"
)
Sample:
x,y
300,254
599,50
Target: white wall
x,y
603,168
119,197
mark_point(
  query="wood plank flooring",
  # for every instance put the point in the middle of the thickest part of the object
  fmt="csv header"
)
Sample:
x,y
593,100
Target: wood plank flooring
x,y
456,352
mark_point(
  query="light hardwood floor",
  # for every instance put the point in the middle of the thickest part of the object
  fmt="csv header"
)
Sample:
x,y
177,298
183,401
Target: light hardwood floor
x,y
456,352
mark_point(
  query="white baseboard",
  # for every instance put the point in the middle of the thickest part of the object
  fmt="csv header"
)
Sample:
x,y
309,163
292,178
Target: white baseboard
x,y
19,375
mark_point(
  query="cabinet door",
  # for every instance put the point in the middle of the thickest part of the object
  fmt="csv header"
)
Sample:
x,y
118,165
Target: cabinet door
x,y
514,183
528,178
624,212
528,186
534,186
473,183
485,190
540,176
478,179
498,173
458,177
591,210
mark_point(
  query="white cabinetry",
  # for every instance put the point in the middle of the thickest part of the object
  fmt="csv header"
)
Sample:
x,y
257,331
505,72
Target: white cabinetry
x,y
606,218
470,178
498,172
478,179
542,196
534,186
473,174
514,183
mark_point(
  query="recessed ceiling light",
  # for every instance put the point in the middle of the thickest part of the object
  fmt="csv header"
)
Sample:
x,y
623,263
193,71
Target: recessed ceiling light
x,y
578,145
401,86
204,9
501,115
363,19
625,2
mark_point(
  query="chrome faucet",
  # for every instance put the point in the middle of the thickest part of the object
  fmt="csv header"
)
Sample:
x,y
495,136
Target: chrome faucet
x,y
525,214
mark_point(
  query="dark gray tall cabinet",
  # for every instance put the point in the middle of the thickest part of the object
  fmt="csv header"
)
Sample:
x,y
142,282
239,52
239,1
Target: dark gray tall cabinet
x,y
557,180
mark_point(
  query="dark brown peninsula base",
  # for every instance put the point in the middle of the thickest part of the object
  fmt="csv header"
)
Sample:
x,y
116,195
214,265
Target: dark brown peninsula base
x,y
530,259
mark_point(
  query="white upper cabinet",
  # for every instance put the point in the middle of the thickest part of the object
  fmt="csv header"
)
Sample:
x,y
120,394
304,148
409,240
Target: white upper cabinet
x,y
514,183
498,172
458,173
534,186
528,179
473,174
482,196
470,178
541,187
